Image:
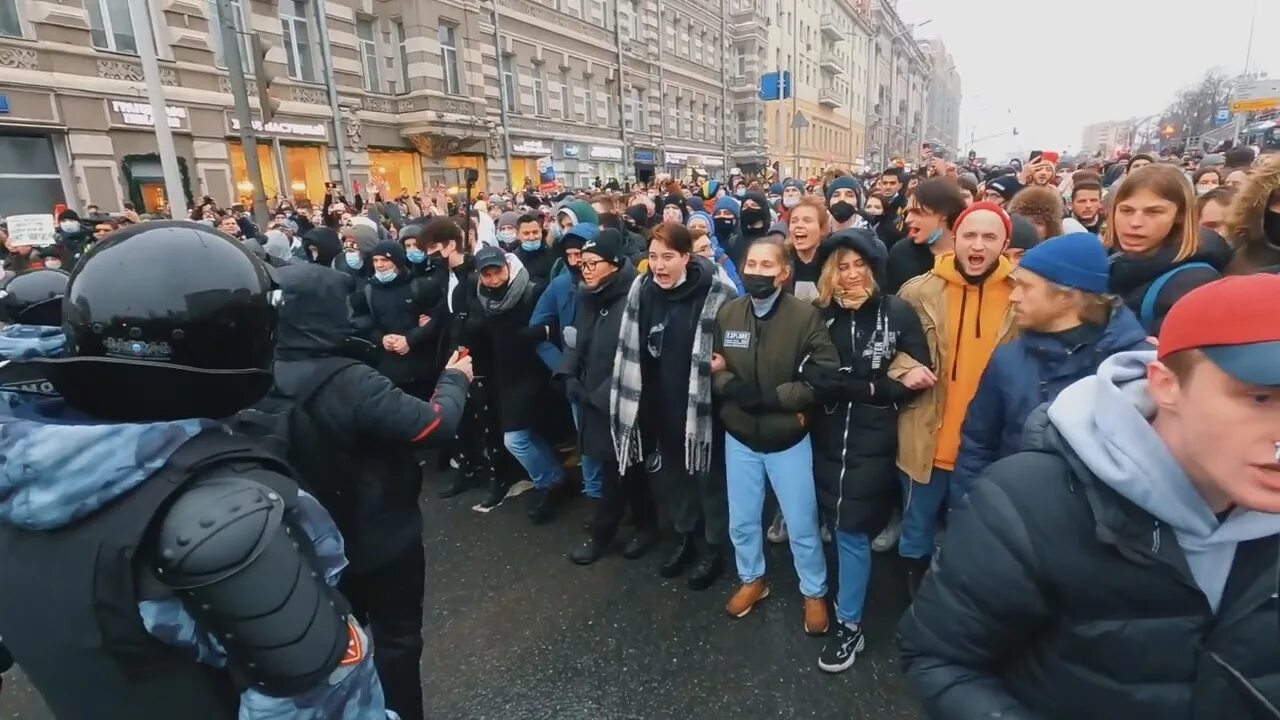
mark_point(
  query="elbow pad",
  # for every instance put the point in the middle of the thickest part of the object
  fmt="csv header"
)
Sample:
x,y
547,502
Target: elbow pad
x,y
248,577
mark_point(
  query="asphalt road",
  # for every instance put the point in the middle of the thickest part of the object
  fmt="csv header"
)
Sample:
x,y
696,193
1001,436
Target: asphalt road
x,y
514,630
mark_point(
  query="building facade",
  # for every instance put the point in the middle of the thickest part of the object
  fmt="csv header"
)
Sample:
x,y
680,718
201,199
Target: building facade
x,y
900,78
942,127
1106,138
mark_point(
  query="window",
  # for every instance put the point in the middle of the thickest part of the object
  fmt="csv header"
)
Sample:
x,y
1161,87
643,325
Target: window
x,y
641,114
590,98
539,91
509,85
566,95
611,102
111,25
369,55
215,34
297,40
402,54
29,177
447,36
10,25
573,7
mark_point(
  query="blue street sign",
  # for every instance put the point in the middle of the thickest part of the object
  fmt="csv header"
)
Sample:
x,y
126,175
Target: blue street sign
x,y
1222,117
4,103
775,85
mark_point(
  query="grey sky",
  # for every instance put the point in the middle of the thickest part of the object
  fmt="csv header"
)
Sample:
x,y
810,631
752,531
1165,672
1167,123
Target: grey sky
x,y
1051,67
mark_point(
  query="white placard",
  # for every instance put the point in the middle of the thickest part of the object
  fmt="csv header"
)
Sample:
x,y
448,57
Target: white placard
x,y
31,229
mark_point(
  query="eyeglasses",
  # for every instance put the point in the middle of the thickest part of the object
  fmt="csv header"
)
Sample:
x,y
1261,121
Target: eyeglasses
x,y
591,265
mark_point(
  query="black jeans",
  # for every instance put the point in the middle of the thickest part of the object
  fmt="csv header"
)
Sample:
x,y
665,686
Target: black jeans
x,y
619,493
389,600
696,499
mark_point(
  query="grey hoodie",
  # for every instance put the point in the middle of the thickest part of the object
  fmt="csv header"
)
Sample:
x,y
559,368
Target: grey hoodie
x,y
1105,419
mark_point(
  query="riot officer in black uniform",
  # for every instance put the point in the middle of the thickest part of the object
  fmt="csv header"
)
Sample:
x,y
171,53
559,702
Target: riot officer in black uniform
x,y
154,564
31,309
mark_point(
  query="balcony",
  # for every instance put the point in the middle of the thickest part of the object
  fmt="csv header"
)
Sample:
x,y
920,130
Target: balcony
x,y
831,62
829,97
745,82
831,27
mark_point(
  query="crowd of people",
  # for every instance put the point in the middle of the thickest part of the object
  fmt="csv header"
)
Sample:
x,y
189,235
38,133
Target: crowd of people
x,y
1051,391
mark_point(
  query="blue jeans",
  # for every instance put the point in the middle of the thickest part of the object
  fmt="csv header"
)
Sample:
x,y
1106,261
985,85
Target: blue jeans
x,y
921,506
590,466
854,553
535,456
790,472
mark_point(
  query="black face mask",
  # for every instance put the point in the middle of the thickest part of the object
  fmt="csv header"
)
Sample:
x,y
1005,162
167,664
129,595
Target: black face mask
x,y
753,217
758,286
1271,227
725,226
611,220
842,211
496,293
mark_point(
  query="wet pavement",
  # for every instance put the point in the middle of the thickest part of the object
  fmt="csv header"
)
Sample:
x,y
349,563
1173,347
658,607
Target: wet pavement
x,y
514,630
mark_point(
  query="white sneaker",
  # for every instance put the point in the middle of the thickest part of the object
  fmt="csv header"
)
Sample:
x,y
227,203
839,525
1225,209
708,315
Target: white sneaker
x,y
888,538
777,533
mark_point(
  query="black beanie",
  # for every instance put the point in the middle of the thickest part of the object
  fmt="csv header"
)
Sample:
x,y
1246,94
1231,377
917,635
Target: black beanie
x,y
68,214
393,251
608,245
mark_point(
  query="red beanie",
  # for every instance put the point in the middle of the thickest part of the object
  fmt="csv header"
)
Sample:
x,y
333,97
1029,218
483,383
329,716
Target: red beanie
x,y
992,207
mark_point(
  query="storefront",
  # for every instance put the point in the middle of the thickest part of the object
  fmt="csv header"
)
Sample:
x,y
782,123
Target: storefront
x,y
525,153
299,170
646,161
140,166
396,170
608,163
34,167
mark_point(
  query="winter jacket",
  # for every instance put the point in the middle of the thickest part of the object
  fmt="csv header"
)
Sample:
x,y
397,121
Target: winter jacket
x,y
1024,374
893,224
855,428
361,428
587,366
74,244
908,260
1246,228
1080,580
394,309
763,400
538,263
1131,277
923,423
556,309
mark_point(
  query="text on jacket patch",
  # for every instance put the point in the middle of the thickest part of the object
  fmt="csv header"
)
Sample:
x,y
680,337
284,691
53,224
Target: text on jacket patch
x,y
738,339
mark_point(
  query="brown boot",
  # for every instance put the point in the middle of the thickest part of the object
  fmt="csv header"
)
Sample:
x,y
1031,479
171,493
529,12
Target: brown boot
x,y
746,597
816,620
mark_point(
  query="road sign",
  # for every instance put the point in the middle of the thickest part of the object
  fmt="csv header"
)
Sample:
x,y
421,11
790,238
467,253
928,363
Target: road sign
x,y
1255,104
775,85
1222,117
799,121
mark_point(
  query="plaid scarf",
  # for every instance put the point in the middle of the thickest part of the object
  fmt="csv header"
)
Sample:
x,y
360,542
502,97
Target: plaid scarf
x,y
624,393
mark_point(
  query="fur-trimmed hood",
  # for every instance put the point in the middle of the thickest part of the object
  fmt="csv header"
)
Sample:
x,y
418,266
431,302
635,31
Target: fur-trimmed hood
x,y
1244,229
1039,203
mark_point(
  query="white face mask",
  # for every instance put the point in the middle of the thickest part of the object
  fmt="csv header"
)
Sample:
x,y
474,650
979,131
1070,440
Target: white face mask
x,y
790,202
69,225
53,264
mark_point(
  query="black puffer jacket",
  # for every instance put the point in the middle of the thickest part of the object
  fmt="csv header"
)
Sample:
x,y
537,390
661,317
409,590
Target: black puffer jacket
x,y
394,309
1131,277
588,366
855,433
1056,597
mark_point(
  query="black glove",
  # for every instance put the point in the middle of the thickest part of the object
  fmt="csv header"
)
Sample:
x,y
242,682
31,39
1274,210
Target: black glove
x,y
751,398
823,379
532,335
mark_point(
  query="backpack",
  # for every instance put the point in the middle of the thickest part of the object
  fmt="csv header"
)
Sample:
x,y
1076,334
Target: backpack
x,y
1147,312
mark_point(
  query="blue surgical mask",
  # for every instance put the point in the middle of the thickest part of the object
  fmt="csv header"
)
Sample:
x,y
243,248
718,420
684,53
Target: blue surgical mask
x,y
934,237
415,255
741,192
385,276
355,260
531,245
506,237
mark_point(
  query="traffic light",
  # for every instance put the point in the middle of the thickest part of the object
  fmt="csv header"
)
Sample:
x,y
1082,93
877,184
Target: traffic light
x,y
263,76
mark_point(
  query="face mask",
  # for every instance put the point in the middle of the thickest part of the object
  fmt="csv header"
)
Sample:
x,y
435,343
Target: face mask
x,y
531,245
774,199
493,293
415,256
754,217
790,202
934,237
874,212
69,226
507,236
354,260
725,226
53,264
758,286
385,276
842,211
741,192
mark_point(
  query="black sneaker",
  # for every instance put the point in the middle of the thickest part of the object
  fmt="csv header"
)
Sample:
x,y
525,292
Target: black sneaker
x,y
543,503
497,493
588,552
842,649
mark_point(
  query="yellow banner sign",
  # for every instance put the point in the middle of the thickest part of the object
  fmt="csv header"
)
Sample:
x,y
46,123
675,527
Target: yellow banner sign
x,y
1255,105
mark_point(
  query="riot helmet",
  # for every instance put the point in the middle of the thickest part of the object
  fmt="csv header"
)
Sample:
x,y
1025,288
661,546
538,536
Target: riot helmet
x,y
34,298
167,320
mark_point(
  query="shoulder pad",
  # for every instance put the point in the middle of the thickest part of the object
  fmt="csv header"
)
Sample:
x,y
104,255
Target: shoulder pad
x,y
214,528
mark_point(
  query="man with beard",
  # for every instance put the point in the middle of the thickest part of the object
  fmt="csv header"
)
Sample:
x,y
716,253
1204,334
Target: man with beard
x,y
965,310
893,222
792,191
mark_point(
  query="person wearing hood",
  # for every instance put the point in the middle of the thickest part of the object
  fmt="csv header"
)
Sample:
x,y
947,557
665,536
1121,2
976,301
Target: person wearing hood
x,y
587,371
569,214
538,259
321,246
727,229
855,427
893,223
660,408
357,439
145,487
356,263
932,214
1253,221
755,217
72,236
1124,564
1160,252
762,340
844,202
399,307
706,245
521,388
1069,326
420,265
964,307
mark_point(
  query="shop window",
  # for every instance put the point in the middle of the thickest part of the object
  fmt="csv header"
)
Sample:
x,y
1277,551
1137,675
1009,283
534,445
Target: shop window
x,y
10,24
29,178
369,55
298,47
402,51
447,35
396,170
111,26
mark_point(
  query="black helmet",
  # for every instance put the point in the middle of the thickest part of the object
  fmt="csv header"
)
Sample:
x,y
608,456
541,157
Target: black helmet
x,y
167,320
34,298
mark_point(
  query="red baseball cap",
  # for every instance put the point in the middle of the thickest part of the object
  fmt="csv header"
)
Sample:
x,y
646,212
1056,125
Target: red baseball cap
x,y
1234,322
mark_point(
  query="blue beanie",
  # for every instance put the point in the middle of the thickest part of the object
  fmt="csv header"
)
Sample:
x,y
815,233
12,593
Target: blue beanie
x,y
775,189
730,204
1076,261
703,216
844,182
